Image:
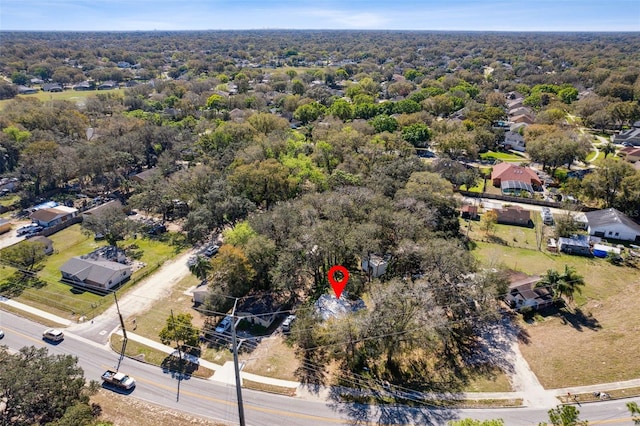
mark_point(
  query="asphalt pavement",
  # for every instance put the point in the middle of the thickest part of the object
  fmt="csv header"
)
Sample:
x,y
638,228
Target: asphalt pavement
x,y
217,401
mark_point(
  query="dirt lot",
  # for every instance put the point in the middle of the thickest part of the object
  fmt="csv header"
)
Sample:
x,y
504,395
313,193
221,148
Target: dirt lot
x,y
273,358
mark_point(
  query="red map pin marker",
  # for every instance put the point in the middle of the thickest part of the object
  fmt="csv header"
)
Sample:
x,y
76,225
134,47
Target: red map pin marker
x,y
338,286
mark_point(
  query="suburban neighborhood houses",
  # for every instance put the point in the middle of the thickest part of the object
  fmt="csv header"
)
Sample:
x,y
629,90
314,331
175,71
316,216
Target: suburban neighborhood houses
x,y
343,218
101,270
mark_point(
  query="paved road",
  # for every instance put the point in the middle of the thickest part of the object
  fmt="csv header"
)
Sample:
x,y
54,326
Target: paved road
x,y
216,401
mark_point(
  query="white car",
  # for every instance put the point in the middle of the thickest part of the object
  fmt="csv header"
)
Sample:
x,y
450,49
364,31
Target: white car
x,y
211,250
286,324
53,334
1,334
224,325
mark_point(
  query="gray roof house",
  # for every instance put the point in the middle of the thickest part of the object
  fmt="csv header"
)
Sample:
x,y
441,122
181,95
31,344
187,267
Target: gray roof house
x,y
24,90
613,224
52,216
523,293
631,136
100,275
48,243
515,141
259,309
108,85
52,87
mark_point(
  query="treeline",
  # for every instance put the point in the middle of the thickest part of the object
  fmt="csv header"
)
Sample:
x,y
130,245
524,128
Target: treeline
x,y
304,150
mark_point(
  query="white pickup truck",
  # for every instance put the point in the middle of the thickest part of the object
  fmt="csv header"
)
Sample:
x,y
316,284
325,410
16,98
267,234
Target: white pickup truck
x,y
117,379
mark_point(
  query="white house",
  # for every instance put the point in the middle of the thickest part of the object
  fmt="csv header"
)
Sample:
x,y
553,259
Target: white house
x,y
523,293
514,140
101,275
611,223
374,265
46,217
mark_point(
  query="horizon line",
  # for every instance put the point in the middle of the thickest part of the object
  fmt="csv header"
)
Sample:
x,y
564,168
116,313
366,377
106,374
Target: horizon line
x,y
321,29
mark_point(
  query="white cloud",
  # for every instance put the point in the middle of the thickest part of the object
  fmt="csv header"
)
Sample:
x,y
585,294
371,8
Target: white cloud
x,y
345,18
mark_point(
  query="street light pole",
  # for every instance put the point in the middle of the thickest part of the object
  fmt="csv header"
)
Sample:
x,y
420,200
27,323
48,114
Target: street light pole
x,y
235,364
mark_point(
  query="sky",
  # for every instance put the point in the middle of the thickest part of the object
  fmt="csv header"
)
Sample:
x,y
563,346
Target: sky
x,y
441,15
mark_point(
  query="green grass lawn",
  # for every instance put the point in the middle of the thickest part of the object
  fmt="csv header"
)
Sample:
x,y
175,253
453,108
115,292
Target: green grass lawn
x,y
67,95
513,236
9,200
478,188
503,156
593,156
62,299
597,340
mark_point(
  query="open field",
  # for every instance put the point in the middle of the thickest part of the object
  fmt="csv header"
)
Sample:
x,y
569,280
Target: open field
x,y
67,95
512,236
597,340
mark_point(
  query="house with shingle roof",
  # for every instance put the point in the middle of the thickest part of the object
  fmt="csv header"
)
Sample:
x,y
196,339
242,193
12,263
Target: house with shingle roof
x,y
612,223
631,136
524,293
47,217
261,309
97,274
46,242
514,215
52,87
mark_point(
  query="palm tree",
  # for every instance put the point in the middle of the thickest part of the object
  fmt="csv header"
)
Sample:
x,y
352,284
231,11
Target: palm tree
x,y
201,267
608,149
570,282
565,284
550,279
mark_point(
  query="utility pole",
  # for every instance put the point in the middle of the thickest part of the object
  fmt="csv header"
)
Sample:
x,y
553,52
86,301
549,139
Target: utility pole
x,y
181,366
124,332
235,364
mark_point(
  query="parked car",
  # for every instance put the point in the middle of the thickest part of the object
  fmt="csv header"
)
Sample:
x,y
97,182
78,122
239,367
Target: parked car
x,y
27,229
33,231
211,250
286,324
157,229
53,334
1,334
224,325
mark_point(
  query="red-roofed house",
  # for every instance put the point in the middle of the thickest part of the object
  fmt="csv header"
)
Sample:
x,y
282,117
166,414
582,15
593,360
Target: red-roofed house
x,y
503,172
630,153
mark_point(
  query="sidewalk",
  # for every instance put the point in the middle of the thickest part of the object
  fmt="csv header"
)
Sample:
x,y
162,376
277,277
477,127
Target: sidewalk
x,y
223,373
37,312
226,374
